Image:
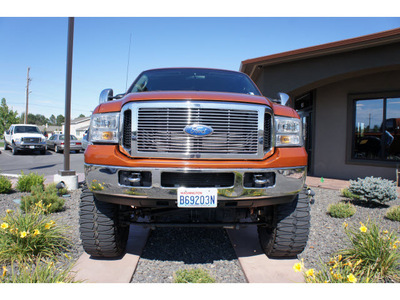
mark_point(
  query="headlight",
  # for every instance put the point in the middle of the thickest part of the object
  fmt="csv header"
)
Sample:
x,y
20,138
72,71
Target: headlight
x,y
104,128
288,132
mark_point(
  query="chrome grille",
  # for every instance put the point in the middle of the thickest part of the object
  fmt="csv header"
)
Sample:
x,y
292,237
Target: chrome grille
x,y
158,130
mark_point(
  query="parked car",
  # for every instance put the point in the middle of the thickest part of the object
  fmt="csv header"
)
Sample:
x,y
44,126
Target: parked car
x,y
84,141
56,142
24,137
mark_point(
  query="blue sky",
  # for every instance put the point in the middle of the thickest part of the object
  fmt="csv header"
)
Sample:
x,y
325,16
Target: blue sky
x,y
101,50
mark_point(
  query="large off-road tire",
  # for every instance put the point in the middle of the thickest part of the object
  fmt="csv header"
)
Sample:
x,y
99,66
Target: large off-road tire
x,y
287,234
102,233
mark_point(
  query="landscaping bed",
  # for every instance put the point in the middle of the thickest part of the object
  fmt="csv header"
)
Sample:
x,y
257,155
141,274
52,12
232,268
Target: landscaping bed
x,y
210,249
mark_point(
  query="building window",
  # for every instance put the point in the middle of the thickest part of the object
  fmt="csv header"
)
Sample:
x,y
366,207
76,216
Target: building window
x,y
377,129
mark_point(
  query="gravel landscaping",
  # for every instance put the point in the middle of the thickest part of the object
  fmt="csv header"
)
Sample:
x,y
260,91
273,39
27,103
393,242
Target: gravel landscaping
x,y
171,249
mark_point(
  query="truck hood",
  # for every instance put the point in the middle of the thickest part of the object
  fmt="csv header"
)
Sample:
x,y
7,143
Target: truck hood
x,y
24,135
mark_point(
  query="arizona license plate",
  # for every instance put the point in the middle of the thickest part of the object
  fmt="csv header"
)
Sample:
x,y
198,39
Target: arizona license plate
x,y
31,147
197,197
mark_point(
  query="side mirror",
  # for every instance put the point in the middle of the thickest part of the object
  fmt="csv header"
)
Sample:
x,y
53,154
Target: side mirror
x,y
106,95
284,98
7,131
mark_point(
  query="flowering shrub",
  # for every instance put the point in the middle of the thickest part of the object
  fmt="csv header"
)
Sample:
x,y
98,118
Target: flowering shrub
x,y
40,271
47,199
374,256
372,189
26,182
28,235
341,210
193,276
5,185
96,186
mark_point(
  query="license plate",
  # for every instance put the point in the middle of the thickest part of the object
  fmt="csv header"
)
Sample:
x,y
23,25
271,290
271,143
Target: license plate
x,y
197,197
31,147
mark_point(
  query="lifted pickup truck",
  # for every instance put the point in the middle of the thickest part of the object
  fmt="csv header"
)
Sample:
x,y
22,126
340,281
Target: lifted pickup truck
x,y
24,137
194,147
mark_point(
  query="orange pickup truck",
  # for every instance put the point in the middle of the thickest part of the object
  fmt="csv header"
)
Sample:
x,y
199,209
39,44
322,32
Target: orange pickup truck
x,y
194,147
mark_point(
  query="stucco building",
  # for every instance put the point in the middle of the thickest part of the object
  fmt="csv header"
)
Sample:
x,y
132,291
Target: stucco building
x,y
348,96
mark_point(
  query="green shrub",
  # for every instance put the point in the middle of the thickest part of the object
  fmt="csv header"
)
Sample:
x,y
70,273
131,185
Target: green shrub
x,y
26,182
25,236
341,210
47,199
41,271
373,256
393,213
5,185
193,276
373,189
347,194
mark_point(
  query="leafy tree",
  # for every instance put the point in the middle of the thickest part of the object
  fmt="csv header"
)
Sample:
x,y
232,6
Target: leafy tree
x,y
7,116
60,119
52,120
37,119
81,116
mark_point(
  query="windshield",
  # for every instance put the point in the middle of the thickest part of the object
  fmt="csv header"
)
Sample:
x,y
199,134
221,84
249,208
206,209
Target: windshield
x,y
26,129
194,80
72,137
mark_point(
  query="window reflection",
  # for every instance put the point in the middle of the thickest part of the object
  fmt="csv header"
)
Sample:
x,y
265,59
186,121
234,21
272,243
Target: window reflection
x,y
392,133
377,129
368,129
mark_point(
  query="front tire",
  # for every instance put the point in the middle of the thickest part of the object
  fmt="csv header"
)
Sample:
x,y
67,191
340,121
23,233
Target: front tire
x,y
14,150
287,234
101,230
5,145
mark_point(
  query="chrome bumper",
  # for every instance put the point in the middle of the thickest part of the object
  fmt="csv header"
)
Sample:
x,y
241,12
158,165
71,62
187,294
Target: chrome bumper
x,y
103,181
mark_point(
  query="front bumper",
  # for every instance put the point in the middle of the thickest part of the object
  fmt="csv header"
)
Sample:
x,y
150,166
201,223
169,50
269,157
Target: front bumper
x,y
104,182
30,146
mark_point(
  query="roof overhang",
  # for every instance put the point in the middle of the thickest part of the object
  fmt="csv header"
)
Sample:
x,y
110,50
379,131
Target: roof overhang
x,y
253,67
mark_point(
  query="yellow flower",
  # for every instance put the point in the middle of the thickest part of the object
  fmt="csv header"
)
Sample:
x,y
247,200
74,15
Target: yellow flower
x,y
9,211
310,272
363,228
358,262
339,257
23,234
394,246
47,226
297,267
4,271
385,232
351,278
4,226
52,222
345,224
36,232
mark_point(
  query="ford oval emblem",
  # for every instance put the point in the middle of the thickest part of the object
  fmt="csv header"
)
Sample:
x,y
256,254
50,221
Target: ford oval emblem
x,y
198,130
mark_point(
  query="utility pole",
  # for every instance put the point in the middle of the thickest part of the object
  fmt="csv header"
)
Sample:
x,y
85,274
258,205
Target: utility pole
x,y
27,96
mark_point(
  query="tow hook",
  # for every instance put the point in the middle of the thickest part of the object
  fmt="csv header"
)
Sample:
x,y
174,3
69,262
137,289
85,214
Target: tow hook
x,y
311,195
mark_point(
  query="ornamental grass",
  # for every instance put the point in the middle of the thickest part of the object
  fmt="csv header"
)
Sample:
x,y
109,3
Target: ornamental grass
x,y
341,210
198,275
393,213
373,256
39,271
26,236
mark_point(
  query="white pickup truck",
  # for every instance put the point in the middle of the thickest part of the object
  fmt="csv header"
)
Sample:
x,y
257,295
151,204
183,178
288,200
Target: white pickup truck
x,y
24,137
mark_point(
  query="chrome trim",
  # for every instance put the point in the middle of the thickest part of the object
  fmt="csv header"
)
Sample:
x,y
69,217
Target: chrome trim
x,y
219,153
288,181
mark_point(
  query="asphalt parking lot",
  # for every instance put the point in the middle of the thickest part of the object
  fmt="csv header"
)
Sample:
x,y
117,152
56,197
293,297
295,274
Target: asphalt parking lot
x,y
46,165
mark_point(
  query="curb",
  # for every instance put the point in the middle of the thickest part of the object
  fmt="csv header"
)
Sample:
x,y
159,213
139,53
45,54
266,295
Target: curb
x,y
90,270
257,267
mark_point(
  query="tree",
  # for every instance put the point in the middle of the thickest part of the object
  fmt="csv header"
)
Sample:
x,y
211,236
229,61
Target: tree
x,y
52,120
60,119
7,116
81,116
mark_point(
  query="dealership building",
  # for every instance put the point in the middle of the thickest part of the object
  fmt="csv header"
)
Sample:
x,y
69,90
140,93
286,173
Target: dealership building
x,y
347,94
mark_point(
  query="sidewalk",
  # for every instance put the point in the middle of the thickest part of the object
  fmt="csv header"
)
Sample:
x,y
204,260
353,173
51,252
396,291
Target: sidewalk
x,y
327,183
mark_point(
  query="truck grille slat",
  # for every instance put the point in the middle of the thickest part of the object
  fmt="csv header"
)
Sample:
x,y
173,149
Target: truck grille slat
x,y
159,130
